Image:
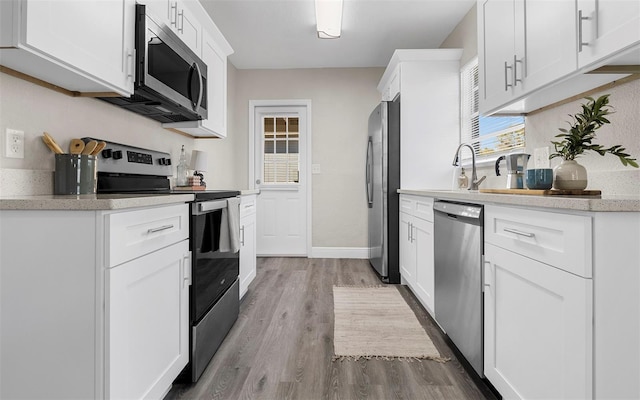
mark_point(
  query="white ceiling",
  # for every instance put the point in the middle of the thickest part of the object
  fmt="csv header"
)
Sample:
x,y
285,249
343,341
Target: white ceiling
x,y
281,33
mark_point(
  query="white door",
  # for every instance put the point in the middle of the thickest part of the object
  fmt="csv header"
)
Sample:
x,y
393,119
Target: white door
x,y
280,172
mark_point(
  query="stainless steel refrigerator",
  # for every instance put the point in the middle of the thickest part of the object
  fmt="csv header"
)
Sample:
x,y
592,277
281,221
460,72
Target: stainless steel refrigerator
x,y
383,182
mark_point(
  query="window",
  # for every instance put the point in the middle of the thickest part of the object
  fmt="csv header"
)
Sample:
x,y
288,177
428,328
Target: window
x,y
281,160
489,136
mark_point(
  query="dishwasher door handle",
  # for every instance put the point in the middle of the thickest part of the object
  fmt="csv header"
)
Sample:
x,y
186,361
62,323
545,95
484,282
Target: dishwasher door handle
x,y
519,233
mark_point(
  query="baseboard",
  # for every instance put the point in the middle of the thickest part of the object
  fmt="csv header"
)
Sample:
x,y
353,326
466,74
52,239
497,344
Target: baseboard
x,y
340,252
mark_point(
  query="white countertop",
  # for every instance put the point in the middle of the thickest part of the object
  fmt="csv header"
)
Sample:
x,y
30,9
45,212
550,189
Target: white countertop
x,y
247,192
89,201
606,203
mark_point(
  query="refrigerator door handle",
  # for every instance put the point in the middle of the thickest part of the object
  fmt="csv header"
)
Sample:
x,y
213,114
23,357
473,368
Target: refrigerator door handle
x,y
369,174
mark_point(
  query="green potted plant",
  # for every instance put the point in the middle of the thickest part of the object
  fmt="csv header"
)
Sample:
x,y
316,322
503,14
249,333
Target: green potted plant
x,y
578,139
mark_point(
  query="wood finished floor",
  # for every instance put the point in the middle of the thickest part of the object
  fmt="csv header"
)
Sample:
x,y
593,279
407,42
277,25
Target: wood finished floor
x,y
282,344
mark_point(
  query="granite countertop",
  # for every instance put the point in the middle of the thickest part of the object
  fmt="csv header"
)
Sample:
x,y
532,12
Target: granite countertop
x,y
90,202
606,203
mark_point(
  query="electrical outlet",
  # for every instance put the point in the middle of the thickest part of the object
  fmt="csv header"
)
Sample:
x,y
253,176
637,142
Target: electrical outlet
x,y
14,144
315,168
541,157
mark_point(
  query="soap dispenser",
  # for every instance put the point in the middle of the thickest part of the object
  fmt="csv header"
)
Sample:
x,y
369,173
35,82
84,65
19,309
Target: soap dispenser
x,y
463,180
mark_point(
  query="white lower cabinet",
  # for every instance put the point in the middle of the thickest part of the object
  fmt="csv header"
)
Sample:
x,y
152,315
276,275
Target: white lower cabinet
x,y
148,319
538,332
407,250
86,324
247,242
416,248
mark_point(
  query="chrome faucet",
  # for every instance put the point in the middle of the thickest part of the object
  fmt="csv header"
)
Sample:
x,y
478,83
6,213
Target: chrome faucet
x,y
475,182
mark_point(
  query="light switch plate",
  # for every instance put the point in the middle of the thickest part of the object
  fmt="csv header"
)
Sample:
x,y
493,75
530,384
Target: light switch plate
x,y
541,157
14,144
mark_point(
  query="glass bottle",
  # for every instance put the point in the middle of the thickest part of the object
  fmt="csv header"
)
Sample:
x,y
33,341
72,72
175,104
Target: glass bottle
x,y
181,178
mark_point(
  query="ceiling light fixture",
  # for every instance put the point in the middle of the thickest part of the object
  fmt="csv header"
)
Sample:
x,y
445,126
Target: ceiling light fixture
x,y
329,18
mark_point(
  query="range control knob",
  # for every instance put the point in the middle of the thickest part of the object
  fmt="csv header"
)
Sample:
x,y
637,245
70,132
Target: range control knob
x,y
162,161
117,154
106,153
167,161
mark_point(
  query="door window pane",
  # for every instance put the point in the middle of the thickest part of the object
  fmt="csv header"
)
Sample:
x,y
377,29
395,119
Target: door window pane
x,y
281,162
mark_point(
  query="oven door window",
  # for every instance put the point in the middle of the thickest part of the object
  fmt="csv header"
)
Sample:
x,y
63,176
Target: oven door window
x,y
214,271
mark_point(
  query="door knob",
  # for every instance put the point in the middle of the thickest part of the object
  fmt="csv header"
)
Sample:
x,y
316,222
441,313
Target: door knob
x,y
257,181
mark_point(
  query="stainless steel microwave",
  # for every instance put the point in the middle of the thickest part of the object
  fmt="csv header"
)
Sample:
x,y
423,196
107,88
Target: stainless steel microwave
x,y
170,79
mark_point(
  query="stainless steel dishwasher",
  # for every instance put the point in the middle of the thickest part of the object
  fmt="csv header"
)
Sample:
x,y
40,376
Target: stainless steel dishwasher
x,y
458,243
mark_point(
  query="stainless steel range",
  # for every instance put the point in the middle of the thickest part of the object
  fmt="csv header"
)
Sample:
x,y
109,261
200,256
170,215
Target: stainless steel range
x,y
213,241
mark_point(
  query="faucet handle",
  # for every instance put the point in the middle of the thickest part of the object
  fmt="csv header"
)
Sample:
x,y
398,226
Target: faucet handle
x,y
474,184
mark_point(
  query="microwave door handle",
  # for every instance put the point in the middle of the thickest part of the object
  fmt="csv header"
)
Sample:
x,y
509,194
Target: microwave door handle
x,y
197,105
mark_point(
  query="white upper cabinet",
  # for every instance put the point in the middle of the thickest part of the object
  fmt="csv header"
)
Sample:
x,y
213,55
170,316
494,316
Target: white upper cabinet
x,y
159,9
530,53
81,46
607,27
416,75
545,42
213,49
496,28
216,61
180,17
527,44
187,26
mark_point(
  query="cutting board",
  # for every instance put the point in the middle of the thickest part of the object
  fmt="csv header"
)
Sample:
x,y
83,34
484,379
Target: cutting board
x,y
545,192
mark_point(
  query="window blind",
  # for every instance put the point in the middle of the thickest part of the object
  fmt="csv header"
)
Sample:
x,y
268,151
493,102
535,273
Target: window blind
x,y
489,136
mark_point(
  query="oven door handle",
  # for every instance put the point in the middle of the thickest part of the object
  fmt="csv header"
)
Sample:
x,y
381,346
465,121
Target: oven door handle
x,y
208,206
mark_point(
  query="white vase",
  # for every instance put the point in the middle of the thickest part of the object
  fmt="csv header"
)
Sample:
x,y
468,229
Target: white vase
x,y
569,175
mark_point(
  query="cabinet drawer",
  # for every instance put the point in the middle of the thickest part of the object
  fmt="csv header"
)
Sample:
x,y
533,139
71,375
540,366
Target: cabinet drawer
x,y
131,234
247,205
418,206
561,240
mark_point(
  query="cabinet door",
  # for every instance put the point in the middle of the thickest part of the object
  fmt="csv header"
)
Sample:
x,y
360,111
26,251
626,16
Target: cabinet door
x,y
247,252
187,26
162,10
71,32
495,52
216,86
147,323
538,328
545,42
610,26
407,250
423,232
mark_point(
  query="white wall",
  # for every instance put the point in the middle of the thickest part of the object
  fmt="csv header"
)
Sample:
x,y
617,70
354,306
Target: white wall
x,y
464,36
34,109
342,100
604,173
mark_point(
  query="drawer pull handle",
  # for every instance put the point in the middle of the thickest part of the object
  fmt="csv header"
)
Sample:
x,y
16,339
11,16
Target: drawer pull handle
x,y
520,233
161,228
